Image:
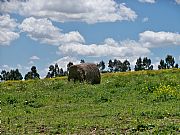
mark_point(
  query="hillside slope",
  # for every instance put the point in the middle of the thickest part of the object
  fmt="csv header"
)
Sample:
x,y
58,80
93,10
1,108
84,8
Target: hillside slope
x,y
131,102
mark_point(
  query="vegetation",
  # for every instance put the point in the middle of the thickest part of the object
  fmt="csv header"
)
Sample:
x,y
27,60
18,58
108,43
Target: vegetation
x,y
138,102
144,64
54,71
32,74
114,66
101,66
118,66
12,75
168,63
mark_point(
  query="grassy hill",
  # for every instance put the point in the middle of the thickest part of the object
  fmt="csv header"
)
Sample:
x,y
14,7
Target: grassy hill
x,y
146,102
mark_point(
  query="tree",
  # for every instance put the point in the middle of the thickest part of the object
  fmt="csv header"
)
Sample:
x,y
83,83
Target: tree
x,y
125,66
61,72
32,74
101,65
82,61
48,75
162,64
143,64
147,64
52,71
28,76
15,75
176,66
69,65
139,65
116,64
4,75
56,70
110,65
11,75
170,61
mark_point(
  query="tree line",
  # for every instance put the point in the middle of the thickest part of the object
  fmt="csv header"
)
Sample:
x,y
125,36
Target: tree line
x,y
113,66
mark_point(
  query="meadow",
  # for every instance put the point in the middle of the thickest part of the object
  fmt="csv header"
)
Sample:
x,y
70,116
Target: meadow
x,y
142,102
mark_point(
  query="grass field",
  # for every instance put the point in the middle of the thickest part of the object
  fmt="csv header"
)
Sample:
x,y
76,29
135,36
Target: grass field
x,y
144,102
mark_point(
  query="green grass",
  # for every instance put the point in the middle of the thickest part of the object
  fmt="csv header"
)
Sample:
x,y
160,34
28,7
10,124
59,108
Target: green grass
x,y
144,102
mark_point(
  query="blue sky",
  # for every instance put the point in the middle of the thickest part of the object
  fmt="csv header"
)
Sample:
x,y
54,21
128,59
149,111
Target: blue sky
x,y
58,31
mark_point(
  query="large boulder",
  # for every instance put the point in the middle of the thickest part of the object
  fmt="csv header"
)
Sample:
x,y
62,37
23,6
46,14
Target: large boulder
x,y
85,72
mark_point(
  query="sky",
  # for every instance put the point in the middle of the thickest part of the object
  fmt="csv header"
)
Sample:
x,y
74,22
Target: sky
x,y
41,32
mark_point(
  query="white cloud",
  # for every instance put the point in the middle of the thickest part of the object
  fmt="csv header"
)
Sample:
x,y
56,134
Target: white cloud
x,y
23,69
159,39
108,48
44,31
6,67
62,62
34,58
31,62
90,11
7,30
177,1
7,23
146,19
147,1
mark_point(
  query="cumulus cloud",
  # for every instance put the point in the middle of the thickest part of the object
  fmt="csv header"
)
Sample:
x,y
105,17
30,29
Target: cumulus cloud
x,y
159,39
6,67
146,19
62,62
31,62
91,11
177,1
108,48
147,1
7,30
23,69
34,58
44,31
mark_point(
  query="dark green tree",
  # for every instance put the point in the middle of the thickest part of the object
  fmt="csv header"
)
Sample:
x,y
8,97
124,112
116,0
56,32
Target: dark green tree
x,y
15,75
162,65
101,65
176,66
116,65
28,76
110,65
147,64
143,64
61,72
68,66
125,66
139,65
33,74
170,61
4,75
48,75
82,61
52,71
56,70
